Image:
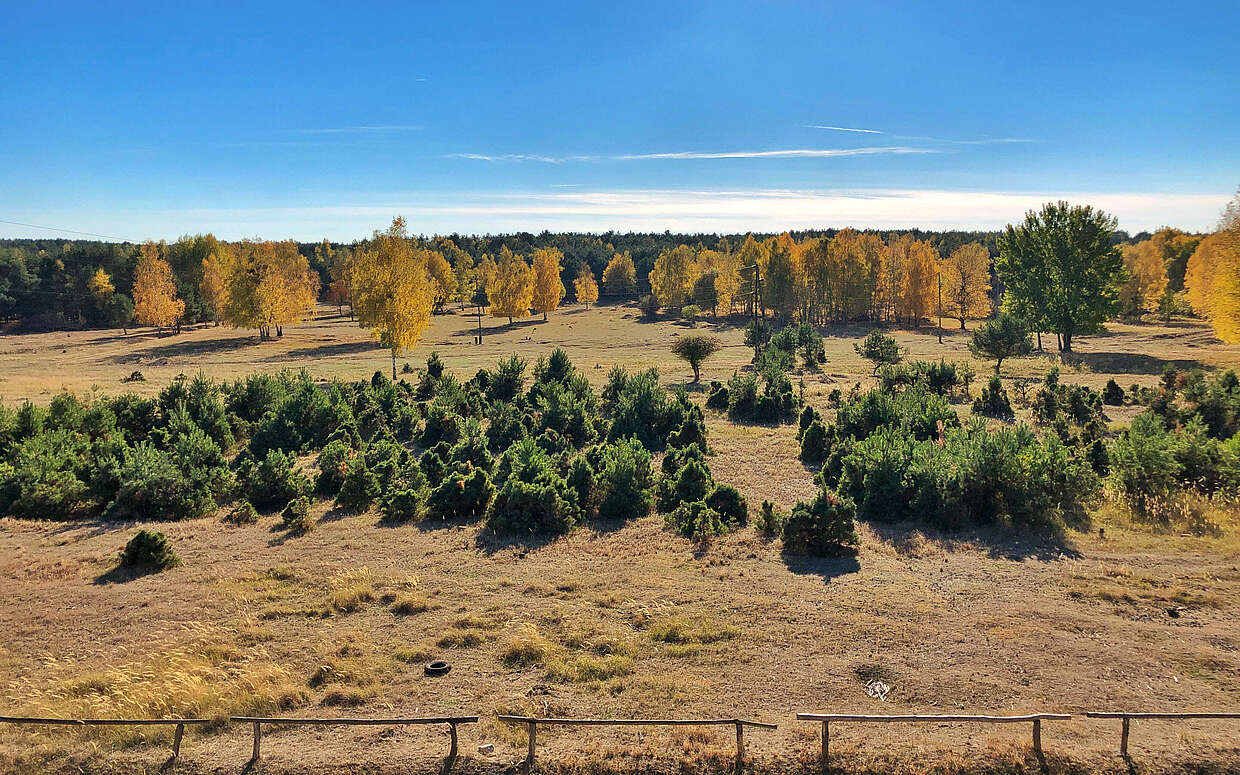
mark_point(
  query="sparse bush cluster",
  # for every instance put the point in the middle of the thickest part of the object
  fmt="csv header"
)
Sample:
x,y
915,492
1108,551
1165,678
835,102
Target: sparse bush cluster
x,y
695,505
529,453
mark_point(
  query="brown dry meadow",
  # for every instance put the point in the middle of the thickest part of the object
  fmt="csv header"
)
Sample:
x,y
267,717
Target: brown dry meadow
x,y
614,620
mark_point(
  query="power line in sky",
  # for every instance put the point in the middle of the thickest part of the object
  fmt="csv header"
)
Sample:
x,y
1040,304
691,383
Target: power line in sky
x,y
68,231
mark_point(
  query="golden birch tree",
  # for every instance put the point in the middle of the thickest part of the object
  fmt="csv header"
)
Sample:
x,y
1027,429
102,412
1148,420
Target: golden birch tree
x,y
548,288
966,283
393,290
155,301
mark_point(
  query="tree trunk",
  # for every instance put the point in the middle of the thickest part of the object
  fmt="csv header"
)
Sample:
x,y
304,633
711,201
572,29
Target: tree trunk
x,y
393,365
1067,342
1039,341
961,324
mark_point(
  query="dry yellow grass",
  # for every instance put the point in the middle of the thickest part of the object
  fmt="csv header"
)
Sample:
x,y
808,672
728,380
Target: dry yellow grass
x,y
627,621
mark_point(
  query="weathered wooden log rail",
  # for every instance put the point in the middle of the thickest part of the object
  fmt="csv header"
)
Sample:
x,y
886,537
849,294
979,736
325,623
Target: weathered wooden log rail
x,y
826,719
177,735
256,723
531,724
1128,717
531,727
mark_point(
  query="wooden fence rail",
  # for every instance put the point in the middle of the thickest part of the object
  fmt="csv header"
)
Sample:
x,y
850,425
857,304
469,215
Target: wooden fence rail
x,y
256,722
531,727
827,718
177,735
1126,719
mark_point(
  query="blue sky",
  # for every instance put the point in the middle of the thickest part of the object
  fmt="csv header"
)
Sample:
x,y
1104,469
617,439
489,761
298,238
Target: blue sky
x,y
308,119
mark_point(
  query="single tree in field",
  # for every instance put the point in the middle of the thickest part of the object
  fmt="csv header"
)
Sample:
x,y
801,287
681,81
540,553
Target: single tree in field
x,y
620,276
694,349
1004,337
393,289
966,283
584,287
548,288
1061,271
214,284
511,290
155,299
1146,281
671,280
270,286
879,349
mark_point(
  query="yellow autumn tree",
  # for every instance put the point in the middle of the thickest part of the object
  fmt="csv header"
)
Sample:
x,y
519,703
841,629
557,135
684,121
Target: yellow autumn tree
x,y
216,269
270,286
620,276
919,282
1212,278
100,285
155,301
1147,278
393,290
780,276
966,283
442,276
671,280
510,292
548,288
484,274
585,287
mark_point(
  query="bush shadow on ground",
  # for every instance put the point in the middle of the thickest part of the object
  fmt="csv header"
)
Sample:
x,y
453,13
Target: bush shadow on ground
x,y
826,568
326,351
999,542
490,543
187,349
1127,363
121,574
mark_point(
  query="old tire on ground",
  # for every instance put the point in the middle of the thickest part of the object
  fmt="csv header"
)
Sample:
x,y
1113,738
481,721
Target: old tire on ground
x,y
438,667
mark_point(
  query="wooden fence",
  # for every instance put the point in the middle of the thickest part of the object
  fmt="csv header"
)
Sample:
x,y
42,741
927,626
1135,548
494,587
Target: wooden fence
x,y
828,718
531,726
256,723
177,735
1127,718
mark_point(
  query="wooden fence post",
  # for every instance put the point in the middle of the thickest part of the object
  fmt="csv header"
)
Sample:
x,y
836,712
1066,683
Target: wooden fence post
x,y
740,748
258,738
826,747
176,740
1037,741
531,728
447,765
1123,738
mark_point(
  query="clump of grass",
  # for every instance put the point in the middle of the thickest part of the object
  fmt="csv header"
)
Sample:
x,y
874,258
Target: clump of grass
x,y
472,622
346,670
411,603
351,590
568,585
456,639
525,647
583,668
208,678
413,654
285,611
345,697
675,630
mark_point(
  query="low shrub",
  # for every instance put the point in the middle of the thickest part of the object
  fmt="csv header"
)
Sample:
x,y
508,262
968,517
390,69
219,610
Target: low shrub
x,y
461,495
360,487
1113,394
404,505
993,402
243,513
814,444
770,521
149,549
824,527
296,516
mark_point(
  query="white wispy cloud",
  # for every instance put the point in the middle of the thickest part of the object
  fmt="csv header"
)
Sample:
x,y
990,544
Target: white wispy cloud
x,y
787,153
361,130
769,210
979,141
844,129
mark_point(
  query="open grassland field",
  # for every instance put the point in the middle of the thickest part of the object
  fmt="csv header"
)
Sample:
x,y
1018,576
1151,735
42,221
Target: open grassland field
x,y
614,620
